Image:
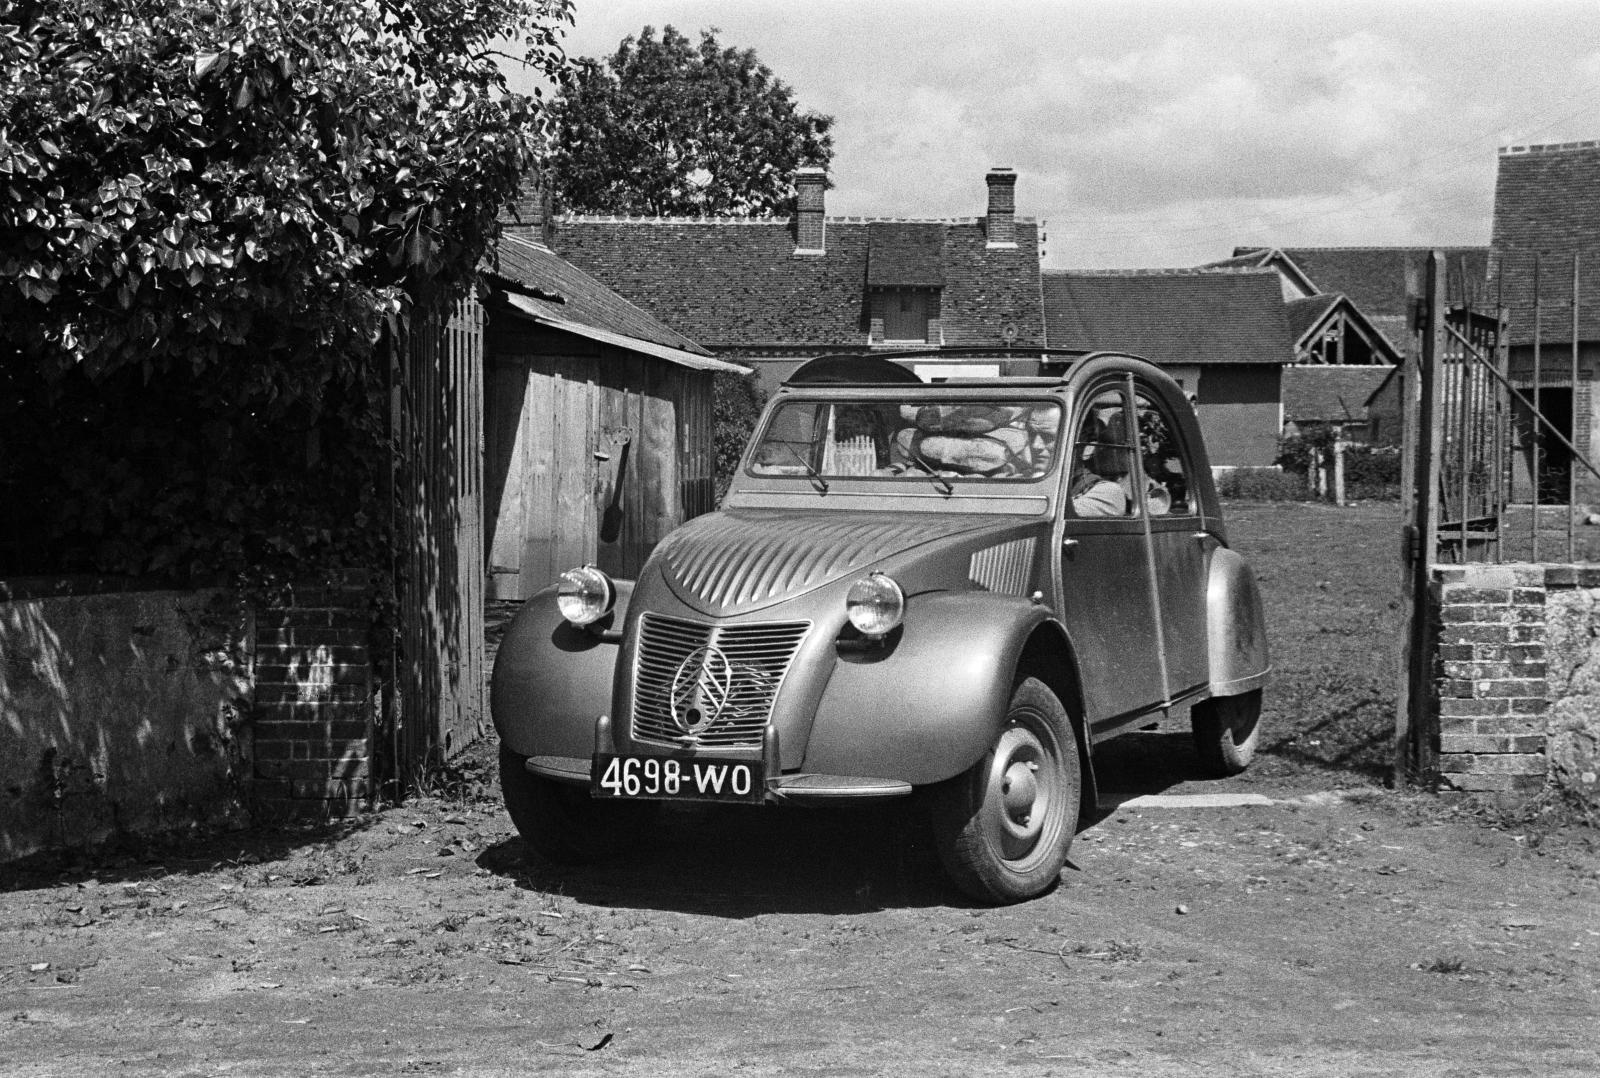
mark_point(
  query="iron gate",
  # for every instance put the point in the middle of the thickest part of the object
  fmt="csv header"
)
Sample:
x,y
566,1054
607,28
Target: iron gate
x,y
1495,401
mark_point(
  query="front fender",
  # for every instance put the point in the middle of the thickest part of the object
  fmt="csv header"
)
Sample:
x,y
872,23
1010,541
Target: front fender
x,y
926,705
551,679
1235,626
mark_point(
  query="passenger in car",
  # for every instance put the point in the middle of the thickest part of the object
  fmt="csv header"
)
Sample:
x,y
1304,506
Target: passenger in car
x,y
1097,483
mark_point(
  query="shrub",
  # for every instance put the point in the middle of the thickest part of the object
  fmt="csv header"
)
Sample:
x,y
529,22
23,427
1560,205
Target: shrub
x,y
1262,485
1371,472
737,403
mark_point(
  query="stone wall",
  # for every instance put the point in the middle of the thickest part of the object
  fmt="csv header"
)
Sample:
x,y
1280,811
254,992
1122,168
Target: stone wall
x,y
1518,678
143,712
120,713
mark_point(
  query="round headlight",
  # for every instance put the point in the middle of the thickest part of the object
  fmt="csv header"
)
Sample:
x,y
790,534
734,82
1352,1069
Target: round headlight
x,y
875,604
585,595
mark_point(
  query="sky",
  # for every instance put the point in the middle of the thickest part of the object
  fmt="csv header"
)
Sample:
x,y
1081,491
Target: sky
x,y
1156,134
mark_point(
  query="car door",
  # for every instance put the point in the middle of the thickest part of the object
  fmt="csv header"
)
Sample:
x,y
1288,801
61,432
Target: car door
x,y
1107,587
1179,543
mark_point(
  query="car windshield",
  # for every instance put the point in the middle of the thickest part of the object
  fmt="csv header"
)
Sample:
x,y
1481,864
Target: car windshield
x,y
952,439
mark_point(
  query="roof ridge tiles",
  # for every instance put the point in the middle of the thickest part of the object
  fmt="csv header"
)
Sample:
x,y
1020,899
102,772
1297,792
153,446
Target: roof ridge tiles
x,y
604,219
1172,271
1387,247
1549,147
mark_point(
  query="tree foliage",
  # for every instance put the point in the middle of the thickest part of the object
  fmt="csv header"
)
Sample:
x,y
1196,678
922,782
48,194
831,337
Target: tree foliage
x,y
737,401
211,209
664,127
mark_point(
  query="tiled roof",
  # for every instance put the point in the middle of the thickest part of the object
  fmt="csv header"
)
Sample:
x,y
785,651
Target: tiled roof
x,y
905,255
1305,313
1547,203
1307,317
1267,258
1243,258
1171,317
1330,394
736,285
564,292
1374,278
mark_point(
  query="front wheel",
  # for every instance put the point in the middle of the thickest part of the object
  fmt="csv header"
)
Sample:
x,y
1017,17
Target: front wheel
x,y
563,823
1004,826
1226,730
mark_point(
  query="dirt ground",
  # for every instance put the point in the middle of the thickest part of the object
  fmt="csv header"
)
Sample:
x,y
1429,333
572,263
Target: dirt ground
x,y
1325,932
1332,928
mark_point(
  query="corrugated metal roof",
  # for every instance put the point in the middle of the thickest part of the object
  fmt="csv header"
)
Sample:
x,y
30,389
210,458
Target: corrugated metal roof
x,y
539,311
554,289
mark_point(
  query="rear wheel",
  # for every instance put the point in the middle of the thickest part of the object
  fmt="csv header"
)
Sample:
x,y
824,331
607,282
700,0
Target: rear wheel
x,y
1226,730
562,823
1003,827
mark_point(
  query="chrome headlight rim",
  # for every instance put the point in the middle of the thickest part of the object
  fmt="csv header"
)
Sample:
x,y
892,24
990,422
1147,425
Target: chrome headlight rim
x,y
585,595
875,605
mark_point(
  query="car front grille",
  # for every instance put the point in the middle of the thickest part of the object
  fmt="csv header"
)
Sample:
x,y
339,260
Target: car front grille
x,y
758,657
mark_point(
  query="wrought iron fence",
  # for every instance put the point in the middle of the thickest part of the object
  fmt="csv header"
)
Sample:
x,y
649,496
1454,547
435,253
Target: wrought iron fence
x,y
1500,411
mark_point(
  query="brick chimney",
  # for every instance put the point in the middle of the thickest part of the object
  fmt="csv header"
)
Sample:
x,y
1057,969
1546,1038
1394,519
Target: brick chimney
x,y
530,215
810,229
1002,218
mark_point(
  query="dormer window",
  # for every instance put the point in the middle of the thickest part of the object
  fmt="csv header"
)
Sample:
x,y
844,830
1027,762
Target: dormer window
x,y
905,277
905,316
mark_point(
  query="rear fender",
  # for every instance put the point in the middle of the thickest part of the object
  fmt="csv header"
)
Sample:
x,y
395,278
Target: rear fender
x,y
1235,626
925,705
552,679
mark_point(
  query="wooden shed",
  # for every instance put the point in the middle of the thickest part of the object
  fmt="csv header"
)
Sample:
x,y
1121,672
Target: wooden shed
x,y
598,433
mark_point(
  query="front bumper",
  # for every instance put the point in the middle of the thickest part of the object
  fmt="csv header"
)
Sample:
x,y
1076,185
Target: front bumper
x,y
799,787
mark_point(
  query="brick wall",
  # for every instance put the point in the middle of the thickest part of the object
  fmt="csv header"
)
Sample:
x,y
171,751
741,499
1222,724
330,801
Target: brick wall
x,y
315,703
1517,677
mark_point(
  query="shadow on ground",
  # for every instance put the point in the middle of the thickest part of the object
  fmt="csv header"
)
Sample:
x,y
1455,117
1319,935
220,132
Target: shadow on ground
x,y
740,862
314,851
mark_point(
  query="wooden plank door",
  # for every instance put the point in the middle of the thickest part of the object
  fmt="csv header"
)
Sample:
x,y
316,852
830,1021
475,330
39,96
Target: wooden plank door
x,y
440,674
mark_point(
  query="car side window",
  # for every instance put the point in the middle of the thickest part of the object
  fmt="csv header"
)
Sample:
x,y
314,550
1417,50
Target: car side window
x,y
1103,470
1165,460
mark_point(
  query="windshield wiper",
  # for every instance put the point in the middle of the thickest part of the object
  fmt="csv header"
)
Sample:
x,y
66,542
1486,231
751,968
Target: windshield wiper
x,y
939,481
811,472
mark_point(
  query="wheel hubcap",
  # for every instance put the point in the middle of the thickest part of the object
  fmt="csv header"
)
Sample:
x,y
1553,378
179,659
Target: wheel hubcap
x,y
1024,787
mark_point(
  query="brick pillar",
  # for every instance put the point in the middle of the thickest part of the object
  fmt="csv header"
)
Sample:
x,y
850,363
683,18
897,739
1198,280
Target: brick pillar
x,y
811,235
1001,222
1585,438
1491,678
314,703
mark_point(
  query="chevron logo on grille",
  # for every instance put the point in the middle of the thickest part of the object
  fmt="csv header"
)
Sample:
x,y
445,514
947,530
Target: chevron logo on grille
x,y
700,690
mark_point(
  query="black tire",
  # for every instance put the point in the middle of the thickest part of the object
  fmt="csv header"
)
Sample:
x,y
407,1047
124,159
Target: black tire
x,y
1003,828
1226,731
562,823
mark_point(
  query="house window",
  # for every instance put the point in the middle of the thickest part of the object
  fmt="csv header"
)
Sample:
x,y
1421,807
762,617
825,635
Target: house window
x,y
907,314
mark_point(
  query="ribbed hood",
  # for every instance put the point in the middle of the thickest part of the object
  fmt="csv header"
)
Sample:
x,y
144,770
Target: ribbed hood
x,y
725,564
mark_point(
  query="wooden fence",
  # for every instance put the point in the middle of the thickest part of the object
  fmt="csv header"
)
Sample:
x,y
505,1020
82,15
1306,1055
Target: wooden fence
x,y
438,706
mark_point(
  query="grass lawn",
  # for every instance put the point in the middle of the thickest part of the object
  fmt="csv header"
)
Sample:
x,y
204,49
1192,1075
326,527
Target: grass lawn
x,y
1330,580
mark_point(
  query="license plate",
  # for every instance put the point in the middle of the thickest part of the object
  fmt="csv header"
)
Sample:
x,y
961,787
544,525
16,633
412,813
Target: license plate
x,y
668,778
